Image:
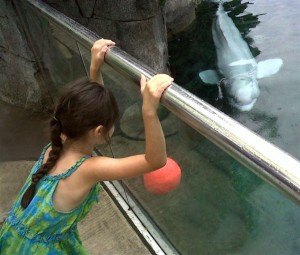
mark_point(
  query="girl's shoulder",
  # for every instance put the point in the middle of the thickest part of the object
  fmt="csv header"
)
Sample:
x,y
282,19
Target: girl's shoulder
x,y
91,167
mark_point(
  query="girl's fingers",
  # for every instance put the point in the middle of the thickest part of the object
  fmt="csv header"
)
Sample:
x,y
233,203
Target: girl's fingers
x,y
163,87
143,82
102,45
104,49
166,84
160,78
108,42
157,84
104,41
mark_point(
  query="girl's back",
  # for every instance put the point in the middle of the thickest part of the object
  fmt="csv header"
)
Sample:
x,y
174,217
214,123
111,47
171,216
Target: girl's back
x,y
41,228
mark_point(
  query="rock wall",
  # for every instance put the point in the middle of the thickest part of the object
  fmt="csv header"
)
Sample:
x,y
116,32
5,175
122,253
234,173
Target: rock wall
x,y
179,15
140,27
19,76
137,26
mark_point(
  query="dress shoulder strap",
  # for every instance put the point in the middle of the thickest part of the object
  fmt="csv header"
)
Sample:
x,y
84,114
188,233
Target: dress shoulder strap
x,y
44,151
68,172
40,160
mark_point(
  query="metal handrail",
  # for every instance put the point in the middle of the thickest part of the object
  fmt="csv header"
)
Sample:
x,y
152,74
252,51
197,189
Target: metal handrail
x,y
260,156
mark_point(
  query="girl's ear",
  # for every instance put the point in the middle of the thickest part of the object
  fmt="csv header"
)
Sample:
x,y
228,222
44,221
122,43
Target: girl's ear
x,y
98,134
98,131
63,137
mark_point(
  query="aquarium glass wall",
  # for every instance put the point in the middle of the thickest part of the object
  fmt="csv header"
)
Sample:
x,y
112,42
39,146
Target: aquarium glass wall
x,y
219,206
258,42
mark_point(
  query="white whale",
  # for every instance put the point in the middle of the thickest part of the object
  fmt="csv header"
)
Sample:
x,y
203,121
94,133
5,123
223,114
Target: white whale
x,y
236,65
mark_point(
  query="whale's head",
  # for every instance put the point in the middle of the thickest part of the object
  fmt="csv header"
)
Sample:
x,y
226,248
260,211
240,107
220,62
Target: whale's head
x,y
242,92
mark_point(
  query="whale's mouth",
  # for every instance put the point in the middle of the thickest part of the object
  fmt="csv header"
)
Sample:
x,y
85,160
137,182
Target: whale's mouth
x,y
240,101
243,93
241,106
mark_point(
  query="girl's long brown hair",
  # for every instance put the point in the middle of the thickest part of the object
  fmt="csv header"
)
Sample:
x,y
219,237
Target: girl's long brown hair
x,y
81,108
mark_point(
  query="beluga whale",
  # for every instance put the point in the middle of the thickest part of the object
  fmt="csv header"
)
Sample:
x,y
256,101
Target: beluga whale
x,y
238,72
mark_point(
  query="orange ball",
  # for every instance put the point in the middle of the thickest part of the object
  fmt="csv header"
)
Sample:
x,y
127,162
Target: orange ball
x,y
163,180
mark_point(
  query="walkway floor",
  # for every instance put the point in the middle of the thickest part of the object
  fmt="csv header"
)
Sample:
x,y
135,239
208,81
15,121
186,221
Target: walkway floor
x,y
104,231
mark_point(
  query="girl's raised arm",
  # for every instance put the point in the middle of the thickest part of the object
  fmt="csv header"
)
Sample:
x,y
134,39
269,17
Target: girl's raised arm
x,y
103,168
98,51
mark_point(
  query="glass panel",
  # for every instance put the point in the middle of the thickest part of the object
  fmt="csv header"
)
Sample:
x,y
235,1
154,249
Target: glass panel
x,y
271,31
219,207
56,50
59,63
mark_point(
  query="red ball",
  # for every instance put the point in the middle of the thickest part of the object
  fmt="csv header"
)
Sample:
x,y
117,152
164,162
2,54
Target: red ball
x,y
164,179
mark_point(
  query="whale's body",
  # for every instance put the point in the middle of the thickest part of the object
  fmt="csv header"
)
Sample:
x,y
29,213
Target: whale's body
x,y
236,64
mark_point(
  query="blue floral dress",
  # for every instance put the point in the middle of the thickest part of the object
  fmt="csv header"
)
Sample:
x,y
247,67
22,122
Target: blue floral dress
x,y
40,228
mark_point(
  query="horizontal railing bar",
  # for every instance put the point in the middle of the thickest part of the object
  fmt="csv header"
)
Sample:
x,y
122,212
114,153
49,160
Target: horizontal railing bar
x,y
260,156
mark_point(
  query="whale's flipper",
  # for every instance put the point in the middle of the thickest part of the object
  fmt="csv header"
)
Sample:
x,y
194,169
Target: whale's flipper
x,y
209,76
268,67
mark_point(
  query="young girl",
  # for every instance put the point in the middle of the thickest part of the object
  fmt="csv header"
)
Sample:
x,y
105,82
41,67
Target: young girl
x,y
63,185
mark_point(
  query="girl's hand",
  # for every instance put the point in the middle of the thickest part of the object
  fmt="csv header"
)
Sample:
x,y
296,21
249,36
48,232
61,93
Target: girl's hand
x,y
98,51
152,90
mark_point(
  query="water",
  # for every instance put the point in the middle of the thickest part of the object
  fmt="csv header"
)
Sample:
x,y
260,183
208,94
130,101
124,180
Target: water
x,y
278,34
275,115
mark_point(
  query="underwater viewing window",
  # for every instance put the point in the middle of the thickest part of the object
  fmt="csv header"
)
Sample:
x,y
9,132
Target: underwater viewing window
x,y
220,206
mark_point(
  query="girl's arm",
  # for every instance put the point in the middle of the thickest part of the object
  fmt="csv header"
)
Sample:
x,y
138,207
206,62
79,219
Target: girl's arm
x,y
98,51
155,151
104,168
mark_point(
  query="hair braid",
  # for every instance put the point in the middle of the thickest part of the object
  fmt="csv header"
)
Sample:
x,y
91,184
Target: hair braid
x,y
54,154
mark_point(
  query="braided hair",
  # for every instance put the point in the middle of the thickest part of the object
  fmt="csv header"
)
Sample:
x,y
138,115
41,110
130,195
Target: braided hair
x,y
82,107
